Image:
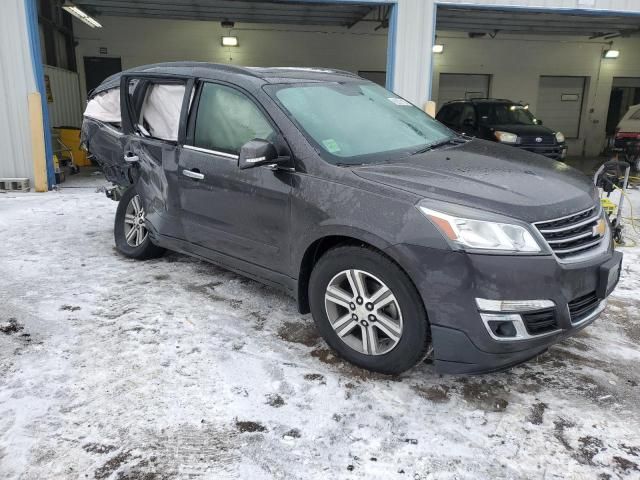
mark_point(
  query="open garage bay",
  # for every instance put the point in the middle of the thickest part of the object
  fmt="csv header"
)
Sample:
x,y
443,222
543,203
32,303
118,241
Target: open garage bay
x,y
173,368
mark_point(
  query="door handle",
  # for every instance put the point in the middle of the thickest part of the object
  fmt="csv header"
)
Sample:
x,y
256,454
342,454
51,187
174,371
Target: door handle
x,y
195,174
131,158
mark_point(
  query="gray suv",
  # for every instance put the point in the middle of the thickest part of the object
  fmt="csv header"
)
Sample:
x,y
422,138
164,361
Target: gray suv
x,y
401,237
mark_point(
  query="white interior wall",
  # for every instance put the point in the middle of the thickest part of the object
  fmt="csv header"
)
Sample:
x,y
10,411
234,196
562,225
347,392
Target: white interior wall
x,y
516,64
140,41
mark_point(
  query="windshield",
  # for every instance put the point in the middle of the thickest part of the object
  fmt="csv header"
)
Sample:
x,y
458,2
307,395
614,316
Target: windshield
x,y
356,123
505,114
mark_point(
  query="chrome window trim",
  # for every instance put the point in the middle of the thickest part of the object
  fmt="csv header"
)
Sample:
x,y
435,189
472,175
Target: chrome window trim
x,y
211,152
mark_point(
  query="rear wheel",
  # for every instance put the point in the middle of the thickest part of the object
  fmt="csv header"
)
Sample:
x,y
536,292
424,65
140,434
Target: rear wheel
x,y
368,310
130,231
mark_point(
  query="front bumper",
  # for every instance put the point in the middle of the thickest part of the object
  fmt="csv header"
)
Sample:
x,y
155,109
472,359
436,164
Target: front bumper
x,y
555,151
451,281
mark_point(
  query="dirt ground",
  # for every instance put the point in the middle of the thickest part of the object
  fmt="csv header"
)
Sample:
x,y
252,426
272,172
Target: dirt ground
x,y
174,368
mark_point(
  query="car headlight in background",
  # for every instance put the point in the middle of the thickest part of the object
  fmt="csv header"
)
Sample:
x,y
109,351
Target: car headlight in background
x,y
467,233
505,137
559,137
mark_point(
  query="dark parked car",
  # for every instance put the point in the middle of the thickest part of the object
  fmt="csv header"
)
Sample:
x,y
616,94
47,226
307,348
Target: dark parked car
x,y
503,121
400,236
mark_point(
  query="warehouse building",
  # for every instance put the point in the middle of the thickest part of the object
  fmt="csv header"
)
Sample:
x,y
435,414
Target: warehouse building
x,y
574,62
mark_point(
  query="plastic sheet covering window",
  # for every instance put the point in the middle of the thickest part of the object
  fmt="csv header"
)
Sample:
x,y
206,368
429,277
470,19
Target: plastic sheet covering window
x,y
105,107
160,112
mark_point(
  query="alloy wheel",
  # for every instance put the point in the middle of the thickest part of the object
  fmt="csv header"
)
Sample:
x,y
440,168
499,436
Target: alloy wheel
x,y
135,231
363,312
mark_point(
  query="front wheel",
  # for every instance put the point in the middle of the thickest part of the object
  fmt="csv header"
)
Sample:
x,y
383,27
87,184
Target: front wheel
x,y
130,230
368,310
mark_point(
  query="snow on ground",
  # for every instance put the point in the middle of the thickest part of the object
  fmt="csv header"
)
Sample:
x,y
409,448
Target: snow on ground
x,y
174,368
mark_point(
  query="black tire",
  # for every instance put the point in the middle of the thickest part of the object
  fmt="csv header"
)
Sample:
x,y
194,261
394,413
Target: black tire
x,y
146,249
413,345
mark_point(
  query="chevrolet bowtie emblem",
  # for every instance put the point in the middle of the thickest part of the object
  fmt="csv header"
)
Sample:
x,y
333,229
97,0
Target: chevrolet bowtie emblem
x,y
599,228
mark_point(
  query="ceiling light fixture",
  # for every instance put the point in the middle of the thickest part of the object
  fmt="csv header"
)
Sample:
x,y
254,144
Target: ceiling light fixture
x,y
81,15
229,41
611,53
437,48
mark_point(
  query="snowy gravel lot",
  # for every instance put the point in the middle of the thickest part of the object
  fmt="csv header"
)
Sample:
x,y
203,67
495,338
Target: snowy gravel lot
x,y
174,368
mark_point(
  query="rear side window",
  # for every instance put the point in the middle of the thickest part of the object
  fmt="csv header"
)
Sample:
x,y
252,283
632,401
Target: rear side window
x,y
160,111
468,113
227,119
636,116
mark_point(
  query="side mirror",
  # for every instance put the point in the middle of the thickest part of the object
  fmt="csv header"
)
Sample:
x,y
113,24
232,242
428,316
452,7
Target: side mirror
x,y
256,153
538,121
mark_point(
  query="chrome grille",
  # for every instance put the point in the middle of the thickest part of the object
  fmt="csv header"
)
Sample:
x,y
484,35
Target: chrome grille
x,y
572,234
533,140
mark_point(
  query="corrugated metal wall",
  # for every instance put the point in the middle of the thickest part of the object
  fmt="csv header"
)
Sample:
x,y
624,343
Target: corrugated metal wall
x,y
65,110
16,82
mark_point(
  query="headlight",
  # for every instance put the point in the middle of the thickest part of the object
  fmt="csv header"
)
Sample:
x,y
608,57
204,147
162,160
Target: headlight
x,y
559,137
483,235
505,137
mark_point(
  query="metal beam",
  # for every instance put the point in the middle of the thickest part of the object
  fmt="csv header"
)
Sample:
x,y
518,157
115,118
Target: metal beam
x,y
465,19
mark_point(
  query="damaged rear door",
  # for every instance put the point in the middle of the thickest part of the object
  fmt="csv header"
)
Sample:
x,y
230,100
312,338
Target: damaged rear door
x,y
102,133
153,124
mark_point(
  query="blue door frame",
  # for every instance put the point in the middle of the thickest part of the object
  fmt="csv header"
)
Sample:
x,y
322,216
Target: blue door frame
x,y
31,11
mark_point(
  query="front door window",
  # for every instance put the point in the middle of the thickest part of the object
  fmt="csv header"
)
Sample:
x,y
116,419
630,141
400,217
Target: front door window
x,y
227,119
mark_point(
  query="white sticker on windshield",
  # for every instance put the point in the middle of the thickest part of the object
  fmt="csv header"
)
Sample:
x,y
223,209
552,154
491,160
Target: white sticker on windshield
x,y
399,101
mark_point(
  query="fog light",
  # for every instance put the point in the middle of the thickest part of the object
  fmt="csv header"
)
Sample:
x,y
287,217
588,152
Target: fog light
x,y
504,320
503,329
504,326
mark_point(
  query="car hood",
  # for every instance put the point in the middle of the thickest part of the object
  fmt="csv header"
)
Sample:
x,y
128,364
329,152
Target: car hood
x,y
491,177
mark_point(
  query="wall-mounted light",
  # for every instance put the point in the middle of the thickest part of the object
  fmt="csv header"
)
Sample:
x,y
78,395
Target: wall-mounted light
x,y
437,48
229,41
611,53
81,15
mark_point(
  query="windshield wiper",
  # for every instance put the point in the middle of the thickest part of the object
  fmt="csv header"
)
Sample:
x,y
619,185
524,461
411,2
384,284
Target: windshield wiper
x,y
436,145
